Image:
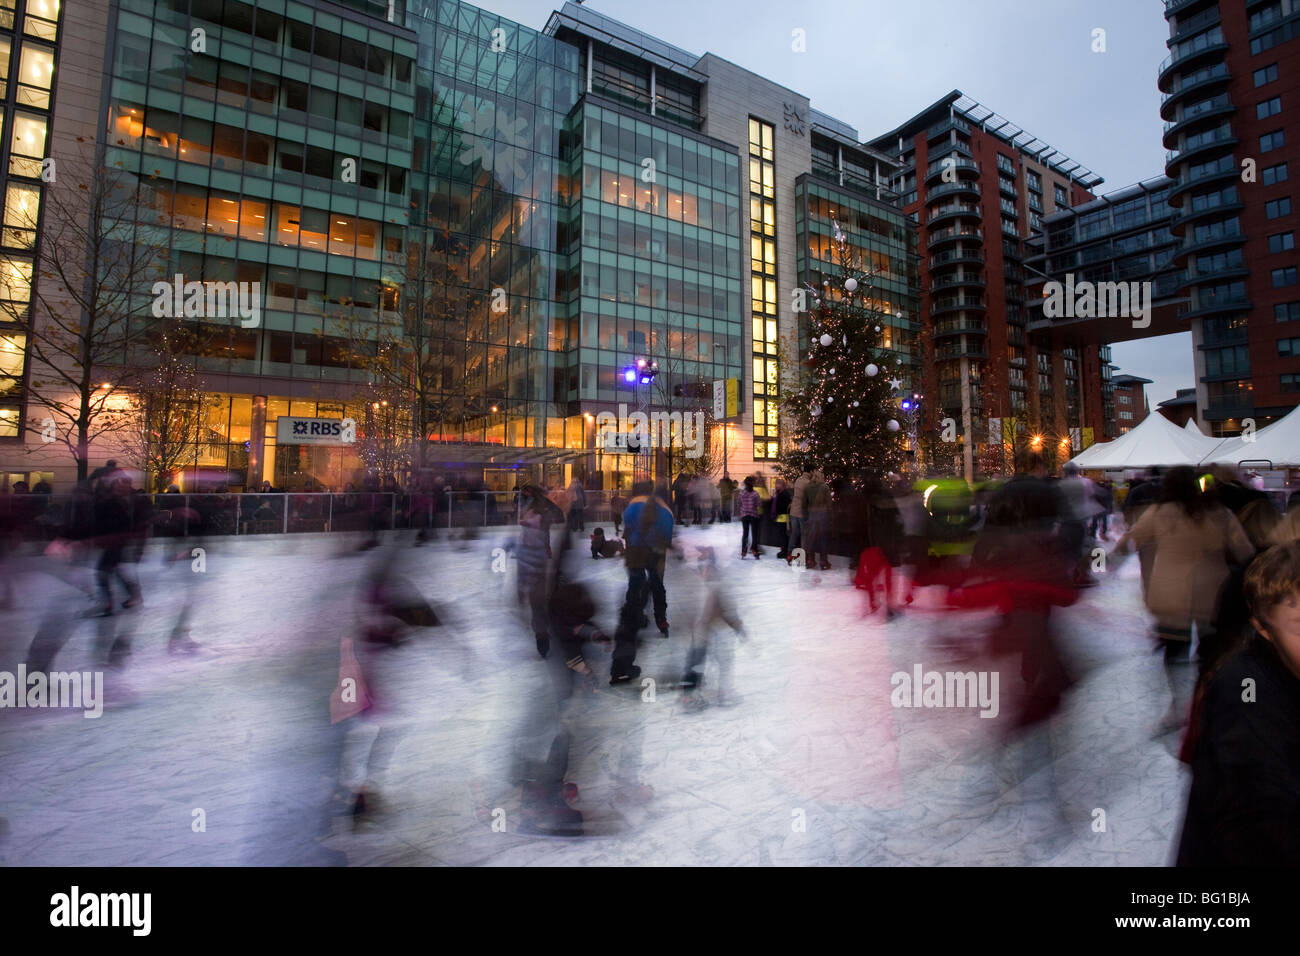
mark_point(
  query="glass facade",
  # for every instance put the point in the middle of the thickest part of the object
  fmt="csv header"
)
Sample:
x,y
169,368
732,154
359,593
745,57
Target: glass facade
x,y
460,233
882,238
657,261
29,38
660,254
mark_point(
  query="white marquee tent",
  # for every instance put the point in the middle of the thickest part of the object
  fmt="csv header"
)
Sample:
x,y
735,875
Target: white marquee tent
x,y
1156,441
1277,444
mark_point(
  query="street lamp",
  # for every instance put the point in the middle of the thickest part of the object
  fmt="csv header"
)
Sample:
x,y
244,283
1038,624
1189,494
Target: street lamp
x,y
641,372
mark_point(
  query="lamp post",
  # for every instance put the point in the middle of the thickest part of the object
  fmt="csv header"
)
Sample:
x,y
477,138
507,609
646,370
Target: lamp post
x,y
642,372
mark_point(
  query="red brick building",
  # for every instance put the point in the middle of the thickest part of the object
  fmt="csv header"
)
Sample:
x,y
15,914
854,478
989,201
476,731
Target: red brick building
x,y
1131,405
978,186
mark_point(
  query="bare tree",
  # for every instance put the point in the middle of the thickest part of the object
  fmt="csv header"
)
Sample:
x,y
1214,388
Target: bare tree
x,y
405,359
673,393
91,298
165,418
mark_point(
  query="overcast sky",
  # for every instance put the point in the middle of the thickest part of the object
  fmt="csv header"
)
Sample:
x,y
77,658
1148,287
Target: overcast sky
x,y
873,64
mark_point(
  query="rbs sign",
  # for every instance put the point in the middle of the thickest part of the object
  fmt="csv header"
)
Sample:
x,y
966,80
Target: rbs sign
x,y
314,431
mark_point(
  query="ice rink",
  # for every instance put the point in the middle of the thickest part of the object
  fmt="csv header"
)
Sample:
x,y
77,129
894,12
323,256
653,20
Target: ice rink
x,y
810,762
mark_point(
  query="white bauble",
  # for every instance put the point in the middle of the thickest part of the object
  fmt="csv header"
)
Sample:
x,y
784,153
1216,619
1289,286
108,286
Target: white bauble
x,y
815,410
825,339
855,404
872,371
892,425
830,399
851,284
877,328
832,371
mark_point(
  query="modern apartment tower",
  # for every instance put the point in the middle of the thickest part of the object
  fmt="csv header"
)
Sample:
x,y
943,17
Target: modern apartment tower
x,y
979,186
1231,106
1125,237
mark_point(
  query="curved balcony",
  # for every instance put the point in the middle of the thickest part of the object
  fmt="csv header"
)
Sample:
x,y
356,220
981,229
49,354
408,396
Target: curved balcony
x,y
969,187
963,327
1202,81
1208,45
1195,247
957,304
954,211
1173,6
961,351
943,283
1191,23
960,165
1226,171
956,257
1180,217
1222,106
1189,281
1218,307
1201,151
954,234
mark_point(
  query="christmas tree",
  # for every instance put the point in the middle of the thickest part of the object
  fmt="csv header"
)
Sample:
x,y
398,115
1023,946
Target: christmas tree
x,y
846,419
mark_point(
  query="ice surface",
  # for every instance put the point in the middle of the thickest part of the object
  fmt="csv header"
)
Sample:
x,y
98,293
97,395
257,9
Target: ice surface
x,y
812,766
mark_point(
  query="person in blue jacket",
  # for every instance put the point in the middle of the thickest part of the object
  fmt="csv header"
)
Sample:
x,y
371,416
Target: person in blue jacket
x,y
648,527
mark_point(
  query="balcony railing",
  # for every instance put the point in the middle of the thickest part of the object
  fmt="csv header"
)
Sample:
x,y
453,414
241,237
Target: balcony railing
x,y
956,302
955,233
961,186
1191,48
949,282
1198,142
1212,105
940,165
954,209
951,122
963,255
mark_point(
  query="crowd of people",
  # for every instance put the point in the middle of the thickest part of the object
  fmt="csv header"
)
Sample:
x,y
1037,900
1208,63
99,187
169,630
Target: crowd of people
x,y
1218,561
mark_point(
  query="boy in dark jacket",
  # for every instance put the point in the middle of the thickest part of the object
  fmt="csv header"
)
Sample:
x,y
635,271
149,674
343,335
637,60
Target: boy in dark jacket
x,y
1244,805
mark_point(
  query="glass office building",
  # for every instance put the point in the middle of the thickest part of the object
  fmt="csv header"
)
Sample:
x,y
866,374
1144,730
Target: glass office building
x,y
659,259
273,144
463,230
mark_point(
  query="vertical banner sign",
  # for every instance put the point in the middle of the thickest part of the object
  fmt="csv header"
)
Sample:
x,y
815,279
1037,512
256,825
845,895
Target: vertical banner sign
x,y
995,431
726,398
1076,440
1089,438
1008,431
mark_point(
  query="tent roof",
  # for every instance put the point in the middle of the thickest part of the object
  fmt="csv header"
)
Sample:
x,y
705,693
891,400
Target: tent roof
x,y
1278,443
1156,441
